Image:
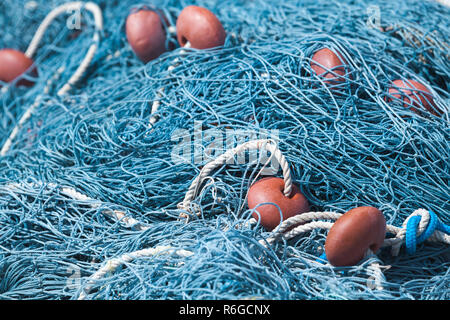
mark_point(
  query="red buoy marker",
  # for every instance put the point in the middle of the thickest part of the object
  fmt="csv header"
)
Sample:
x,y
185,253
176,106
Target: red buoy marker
x,y
270,190
146,34
355,232
413,94
329,65
13,64
200,27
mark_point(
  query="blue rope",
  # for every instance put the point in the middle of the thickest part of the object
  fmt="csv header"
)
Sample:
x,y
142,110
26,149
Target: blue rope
x,y
322,258
345,150
411,239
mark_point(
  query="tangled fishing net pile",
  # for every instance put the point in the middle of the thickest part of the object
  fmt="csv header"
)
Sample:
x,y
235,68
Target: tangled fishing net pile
x,y
345,148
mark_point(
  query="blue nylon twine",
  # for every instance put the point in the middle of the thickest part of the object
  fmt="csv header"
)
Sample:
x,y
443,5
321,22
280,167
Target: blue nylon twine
x,y
347,145
411,238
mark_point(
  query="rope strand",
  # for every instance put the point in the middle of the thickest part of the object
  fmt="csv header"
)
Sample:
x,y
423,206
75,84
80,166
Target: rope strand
x,y
77,74
307,224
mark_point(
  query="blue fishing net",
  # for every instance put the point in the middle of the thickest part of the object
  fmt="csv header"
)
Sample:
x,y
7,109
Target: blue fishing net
x,y
346,146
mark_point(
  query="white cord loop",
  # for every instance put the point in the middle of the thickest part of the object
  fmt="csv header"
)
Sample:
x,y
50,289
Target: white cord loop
x,y
267,144
111,265
116,215
156,103
95,10
70,6
309,222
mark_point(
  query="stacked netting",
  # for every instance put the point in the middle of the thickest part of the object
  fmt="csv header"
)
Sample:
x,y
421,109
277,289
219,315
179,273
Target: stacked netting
x,y
346,148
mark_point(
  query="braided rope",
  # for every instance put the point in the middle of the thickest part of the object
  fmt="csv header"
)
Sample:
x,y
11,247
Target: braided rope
x,y
70,6
70,192
304,222
157,102
92,7
307,223
374,270
29,112
436,236
113,264
160,91
268,144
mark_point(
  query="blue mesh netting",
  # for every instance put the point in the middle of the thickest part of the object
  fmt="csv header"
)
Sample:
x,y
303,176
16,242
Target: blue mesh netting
x,y
346,147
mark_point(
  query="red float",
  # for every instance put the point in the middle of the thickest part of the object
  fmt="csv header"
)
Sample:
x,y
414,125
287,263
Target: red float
x,y
329,65
13,64
200,27
413,94
146,34
355,232
270,189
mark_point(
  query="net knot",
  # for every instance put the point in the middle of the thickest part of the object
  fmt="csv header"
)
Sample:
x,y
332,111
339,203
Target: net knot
x,y
420,226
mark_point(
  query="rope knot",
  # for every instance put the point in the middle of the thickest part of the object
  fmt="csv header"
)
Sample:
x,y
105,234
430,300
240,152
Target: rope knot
x,y
420,226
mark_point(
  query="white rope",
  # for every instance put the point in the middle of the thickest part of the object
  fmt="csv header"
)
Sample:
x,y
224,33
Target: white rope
x,y
302,223
437,236
375,272
111,265
70,192
309,222
160,92
95,10
444,2
70,6
29,112
374,269
115,214
267,144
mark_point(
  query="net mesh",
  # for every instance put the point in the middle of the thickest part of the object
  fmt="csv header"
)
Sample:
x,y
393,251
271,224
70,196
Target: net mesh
x,y
347,147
